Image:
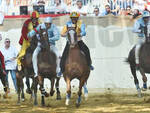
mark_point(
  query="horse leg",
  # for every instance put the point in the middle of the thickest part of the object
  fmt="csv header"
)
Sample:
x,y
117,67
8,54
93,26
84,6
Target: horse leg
x,y
43,92
18,78
28,90
133,71
22,90
78,102
35,83
68,96
52,86
57,89
5,85
32,91
144,78
85,91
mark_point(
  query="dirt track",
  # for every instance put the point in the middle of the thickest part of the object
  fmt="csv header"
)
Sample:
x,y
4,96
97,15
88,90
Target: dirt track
x,y
106,102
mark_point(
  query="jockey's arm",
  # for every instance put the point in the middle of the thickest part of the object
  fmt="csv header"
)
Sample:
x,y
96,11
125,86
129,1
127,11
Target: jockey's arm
x,y
83,33
34,31
136,28
56,34
2,60
64,31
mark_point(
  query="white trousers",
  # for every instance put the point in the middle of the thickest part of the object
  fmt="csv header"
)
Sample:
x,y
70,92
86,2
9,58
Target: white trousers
x,y
141,40
35,54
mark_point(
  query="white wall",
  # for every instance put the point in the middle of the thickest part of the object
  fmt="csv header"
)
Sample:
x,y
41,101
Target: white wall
x,y
109,47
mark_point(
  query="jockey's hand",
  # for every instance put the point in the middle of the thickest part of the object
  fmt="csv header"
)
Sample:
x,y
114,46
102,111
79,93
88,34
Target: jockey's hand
x,y
79,35
4,72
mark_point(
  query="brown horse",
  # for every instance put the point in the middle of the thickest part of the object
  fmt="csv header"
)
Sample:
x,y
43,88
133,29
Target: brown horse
x,y
75,66
46,67
144,61
4,82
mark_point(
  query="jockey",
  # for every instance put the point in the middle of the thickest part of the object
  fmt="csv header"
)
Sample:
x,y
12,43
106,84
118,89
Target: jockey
x,y
28,25
2,63
53,35
80,29
139,28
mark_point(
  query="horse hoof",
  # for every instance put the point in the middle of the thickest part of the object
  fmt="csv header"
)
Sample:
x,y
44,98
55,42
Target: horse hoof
x,y
5,96
18,103
35,104
28,91
139,94
52,93
46,94
77,105
22,99
144,89
58,97
67,102
86,96
43,105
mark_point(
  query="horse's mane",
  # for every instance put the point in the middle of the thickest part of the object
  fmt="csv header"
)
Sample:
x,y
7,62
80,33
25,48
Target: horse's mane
x,y
33,44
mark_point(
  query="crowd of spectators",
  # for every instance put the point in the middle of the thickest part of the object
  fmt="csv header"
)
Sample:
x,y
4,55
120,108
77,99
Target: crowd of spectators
x,y
84,7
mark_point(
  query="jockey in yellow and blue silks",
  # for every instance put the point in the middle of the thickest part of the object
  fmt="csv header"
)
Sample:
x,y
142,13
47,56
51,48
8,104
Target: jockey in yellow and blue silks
x,y
80,29
28,25
53,35
139,29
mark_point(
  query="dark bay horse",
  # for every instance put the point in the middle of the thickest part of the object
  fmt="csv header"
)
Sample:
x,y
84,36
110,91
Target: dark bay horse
x,y
75,66
144,61
46,67
4,82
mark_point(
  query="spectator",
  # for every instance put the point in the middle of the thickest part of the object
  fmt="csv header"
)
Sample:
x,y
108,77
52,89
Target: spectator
x,y
96,12
80,8
2,12
129,11
10,54
107,11
60,7
41,2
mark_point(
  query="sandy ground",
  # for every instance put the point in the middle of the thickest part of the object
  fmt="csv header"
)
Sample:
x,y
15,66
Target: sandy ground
x,y
108,101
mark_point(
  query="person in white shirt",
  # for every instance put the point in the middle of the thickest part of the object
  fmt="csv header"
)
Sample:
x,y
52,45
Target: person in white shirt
x,y
80,8
10,54
2,12
60,7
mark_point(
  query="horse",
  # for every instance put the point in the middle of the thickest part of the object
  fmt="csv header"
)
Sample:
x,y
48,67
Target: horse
x,y
75,66
46,67
144,62
4,82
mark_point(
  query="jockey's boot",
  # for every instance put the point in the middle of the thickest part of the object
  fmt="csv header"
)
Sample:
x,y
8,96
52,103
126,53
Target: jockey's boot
x,y
59,74
19,67
91,67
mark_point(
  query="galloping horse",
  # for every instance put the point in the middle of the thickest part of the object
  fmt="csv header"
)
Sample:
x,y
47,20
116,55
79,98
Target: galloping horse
x,y
75,66
46,67
144,60
4,82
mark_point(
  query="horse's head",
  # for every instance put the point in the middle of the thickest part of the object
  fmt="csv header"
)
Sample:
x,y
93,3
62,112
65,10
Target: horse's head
x,y
44,39
72,36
